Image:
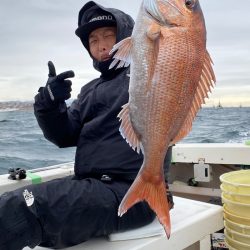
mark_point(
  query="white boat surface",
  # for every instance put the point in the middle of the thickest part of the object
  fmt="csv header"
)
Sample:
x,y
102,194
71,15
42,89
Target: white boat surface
x,y
193,221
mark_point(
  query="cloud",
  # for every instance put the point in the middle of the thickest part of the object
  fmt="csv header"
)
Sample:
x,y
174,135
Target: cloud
x,y
33,32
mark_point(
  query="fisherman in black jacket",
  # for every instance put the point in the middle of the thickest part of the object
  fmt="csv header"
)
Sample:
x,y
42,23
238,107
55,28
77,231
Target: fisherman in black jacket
x,y
70,210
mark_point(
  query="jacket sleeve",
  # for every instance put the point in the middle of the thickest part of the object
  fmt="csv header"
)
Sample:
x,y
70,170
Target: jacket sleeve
x,y
60,125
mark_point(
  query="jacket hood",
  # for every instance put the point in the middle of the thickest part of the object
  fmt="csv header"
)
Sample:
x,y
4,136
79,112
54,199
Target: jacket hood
x,y
124,27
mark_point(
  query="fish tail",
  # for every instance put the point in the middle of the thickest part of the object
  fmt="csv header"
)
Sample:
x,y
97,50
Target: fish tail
x,y
154,193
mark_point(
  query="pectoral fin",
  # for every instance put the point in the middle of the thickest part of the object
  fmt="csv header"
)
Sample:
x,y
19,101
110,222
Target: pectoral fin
x,y
153,33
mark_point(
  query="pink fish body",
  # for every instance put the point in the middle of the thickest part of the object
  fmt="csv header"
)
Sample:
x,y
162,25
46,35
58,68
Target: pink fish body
x,y
170,78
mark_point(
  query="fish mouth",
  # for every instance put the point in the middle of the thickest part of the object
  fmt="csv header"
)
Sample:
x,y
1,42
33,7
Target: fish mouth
x,y
153,12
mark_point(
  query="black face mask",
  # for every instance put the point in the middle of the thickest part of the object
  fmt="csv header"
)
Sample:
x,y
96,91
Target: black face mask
x,y
103,67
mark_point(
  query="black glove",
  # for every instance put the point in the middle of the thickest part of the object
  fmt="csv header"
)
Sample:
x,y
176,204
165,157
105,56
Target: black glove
x,y
58,89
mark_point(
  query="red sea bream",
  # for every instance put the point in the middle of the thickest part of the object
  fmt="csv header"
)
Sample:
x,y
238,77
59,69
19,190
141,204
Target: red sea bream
x,y
171,75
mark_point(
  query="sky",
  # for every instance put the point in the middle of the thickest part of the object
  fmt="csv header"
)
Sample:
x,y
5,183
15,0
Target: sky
x,y
32,32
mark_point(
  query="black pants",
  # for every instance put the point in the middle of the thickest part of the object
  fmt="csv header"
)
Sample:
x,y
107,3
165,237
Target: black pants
x,y
66,212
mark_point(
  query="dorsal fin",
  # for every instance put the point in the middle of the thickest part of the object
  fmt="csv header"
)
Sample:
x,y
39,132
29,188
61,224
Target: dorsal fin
x,y
207,81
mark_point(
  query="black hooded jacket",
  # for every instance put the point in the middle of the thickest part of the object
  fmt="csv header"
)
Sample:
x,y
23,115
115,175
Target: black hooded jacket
x,y
91,122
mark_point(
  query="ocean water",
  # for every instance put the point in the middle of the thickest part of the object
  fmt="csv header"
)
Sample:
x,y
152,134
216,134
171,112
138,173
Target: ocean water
x,y
23,145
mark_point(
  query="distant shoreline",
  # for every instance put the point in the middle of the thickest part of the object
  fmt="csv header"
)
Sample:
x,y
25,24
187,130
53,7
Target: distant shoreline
x,y
6,106
16,105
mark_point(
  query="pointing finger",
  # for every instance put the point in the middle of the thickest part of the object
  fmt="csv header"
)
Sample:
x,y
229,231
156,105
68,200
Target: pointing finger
x,y
52,70
65,75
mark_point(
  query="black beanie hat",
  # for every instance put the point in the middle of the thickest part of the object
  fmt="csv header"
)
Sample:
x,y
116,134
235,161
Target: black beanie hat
x,y
91,17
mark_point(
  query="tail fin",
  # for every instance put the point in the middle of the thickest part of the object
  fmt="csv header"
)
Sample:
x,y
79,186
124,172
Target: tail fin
x,y
154,193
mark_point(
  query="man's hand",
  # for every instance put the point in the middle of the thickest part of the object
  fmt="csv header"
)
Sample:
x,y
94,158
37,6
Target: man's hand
x,y
58,88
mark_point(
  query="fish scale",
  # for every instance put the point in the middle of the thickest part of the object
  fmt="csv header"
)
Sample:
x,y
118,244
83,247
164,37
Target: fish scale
x,y
167,89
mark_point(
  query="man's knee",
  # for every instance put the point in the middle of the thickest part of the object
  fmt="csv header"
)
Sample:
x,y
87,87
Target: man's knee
x,y
18,225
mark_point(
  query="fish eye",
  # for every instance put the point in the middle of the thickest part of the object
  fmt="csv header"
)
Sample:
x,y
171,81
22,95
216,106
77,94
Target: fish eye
x,y
190,3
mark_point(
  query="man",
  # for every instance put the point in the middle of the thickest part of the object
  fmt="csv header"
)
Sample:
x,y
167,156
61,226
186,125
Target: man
x,y
68,211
